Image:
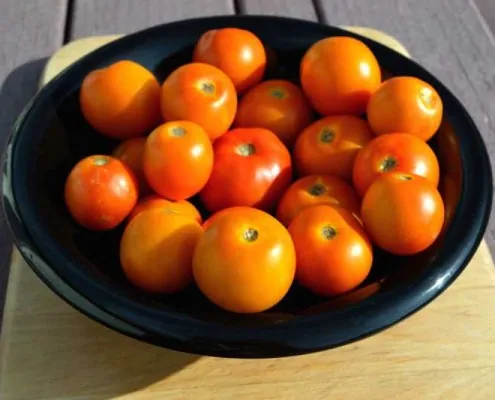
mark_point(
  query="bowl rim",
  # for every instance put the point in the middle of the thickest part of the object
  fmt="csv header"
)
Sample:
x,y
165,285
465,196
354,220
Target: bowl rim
x,y
304,334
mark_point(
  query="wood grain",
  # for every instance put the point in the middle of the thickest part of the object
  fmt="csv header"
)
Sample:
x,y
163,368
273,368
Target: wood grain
x,y
50,351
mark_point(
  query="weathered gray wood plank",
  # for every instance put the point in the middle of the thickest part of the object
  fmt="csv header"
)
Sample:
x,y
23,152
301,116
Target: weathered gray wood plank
x,y
487,10
448,38
30,32
303,9
100,17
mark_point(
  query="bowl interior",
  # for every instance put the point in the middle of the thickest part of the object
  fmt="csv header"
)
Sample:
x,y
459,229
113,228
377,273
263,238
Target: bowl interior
x,y
62,137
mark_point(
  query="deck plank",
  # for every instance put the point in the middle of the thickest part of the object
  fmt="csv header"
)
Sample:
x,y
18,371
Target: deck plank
x,y
287,8
102,17
31,32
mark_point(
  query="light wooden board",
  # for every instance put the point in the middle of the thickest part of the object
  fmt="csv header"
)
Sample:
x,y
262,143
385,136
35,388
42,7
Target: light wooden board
x,y
50,351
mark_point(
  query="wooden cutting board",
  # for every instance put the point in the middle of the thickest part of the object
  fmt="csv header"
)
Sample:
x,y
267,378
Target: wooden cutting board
x,y
50,351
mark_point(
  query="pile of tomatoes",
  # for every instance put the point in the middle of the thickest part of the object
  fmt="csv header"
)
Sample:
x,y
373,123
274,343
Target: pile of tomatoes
x,y
295,180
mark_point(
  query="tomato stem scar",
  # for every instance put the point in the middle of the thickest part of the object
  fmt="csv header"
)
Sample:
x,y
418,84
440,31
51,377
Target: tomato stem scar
x,y
317,189
178,131
328,232
250,234
207,87
278,93
405,177
327,135
245,149
100,160
388,164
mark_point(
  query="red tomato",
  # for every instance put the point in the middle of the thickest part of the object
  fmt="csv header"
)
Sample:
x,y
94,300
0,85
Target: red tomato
x,y
237,52
100,192
339,74
402,213
395,152
314,190
333,253
252,168
276,105
131,152
178,158
182,207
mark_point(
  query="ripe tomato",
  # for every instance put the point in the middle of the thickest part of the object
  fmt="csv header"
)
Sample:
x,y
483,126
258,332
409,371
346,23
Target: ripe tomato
x,y
245,260
334,254
252,168
313,190
330,145
131,152
276,105
100,192
121,101
156,250
178,159
200,93
237,52
403,213
339,74
405,104
182,207
395,152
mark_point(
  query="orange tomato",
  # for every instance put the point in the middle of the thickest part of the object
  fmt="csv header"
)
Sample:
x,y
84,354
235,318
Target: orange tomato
x,y
100,191
334,254
339,74
395,152
200,93
121,101
237,52
403,213
276,105
330,145
178,159
156,250
182,207
314,190
245,260
131,152
405,104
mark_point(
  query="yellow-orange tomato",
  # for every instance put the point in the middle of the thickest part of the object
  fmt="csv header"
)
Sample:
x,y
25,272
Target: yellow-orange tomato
x,y
200,93
405,104
156,250
181,207
334,254
339,74
245,260
330,145
276,105
237,52
178,159
395,152
402,213
130,152
121,101
313,190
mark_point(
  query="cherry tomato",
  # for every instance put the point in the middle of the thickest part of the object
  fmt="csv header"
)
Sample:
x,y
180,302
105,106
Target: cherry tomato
x,y
245,261
329,146
334,254
395,152
403,213
182,207
178,159
130,152
100,192
405,104
156,250
339,74
237,52
252,168
276,105
122,100
313,190
200,93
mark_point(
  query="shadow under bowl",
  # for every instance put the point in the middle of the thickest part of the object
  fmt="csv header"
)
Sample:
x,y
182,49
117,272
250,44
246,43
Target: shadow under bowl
x,y
82,267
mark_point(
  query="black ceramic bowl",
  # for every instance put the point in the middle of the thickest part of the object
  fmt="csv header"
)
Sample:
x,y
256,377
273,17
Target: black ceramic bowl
x,y
82,267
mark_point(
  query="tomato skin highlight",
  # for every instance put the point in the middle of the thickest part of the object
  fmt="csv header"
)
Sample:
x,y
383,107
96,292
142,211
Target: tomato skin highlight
x,y
403,213
100,191
252,168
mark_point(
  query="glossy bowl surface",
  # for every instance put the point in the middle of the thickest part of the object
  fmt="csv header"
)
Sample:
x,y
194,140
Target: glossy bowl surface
x,y
51,136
